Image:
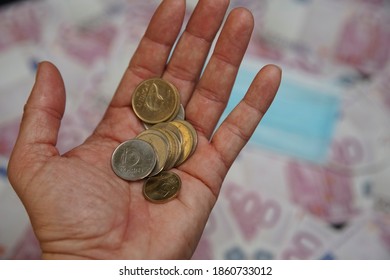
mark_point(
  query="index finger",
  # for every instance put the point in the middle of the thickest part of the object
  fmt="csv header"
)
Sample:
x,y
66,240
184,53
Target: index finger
x,y
150,58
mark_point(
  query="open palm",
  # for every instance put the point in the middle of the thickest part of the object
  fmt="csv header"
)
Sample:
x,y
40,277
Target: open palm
x,y
78,207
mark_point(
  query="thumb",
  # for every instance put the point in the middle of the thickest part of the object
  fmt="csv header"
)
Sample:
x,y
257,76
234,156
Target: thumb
x,y
41,120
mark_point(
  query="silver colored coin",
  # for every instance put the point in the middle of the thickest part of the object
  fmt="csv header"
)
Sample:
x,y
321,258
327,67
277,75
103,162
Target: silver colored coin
x,y
133,160
147,125
181,115
159,142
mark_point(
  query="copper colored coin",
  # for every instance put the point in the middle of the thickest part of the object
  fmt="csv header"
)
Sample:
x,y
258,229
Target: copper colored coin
x,y
193,133
155,100
174,149
188,141
162,187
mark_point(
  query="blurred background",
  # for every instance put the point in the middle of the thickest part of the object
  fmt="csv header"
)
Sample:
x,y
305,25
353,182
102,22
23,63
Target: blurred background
x,y
313,183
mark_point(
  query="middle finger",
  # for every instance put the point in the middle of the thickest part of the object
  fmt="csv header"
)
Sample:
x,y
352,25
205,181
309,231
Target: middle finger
x,y
188,58
213,90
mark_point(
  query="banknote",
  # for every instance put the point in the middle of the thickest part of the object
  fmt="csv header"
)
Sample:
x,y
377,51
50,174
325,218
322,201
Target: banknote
x,y
367,238
254,211
300,34
261,220
310,239
361,139
70,10
379,90
88,44
254,163
21,59
218,236
325,193
364,38
252,216
28,247
8,134
273,207
381,204
12,226
20,23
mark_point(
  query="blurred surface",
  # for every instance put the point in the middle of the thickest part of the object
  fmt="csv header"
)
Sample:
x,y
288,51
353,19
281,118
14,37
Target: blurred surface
x,y
313,183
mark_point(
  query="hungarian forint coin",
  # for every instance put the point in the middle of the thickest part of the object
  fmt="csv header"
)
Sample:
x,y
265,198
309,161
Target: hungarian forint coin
x,y
133,160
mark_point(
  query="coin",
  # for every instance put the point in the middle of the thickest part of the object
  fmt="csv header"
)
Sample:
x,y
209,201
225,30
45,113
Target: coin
x,y
155,100
162,188
181,115
193,132
147,125
169,126
174,148
160,144
133,160
167,142
188,140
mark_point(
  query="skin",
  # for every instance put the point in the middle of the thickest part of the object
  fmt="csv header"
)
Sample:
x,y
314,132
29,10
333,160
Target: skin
x,y
78,207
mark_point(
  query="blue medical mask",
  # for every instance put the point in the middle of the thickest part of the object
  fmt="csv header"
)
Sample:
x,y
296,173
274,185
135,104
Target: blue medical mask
x,y
300,121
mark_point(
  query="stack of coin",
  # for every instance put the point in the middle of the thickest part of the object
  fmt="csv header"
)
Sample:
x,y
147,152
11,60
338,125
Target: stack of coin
x,y
167,142
173,142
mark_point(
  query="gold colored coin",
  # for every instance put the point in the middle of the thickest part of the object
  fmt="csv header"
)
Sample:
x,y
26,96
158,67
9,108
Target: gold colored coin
x,y
160,144
167,142
169,126
155,100
176,113
187,141
193,132
174,149
162,188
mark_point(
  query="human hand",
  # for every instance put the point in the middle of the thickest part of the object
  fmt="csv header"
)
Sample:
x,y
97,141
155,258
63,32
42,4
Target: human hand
x,y
77,205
